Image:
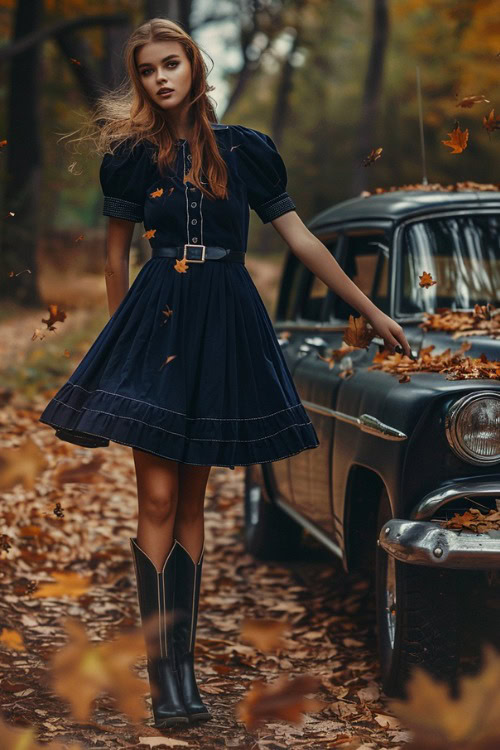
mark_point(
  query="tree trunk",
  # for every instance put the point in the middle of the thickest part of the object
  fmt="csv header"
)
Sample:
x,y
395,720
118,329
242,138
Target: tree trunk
x,y
24,163
372,94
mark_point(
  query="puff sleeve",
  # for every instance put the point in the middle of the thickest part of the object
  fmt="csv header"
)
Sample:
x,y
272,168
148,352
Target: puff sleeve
x,y
124,178
264,172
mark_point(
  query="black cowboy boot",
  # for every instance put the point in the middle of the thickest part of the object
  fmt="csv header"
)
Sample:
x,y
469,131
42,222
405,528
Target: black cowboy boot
x,y
187,594
156,597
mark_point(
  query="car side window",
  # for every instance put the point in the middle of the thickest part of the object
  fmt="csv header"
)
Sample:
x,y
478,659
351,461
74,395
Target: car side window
x,y
365,259
314,292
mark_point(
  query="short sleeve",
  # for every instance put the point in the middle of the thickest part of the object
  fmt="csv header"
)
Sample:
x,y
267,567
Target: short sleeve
x,y
263,170
124,177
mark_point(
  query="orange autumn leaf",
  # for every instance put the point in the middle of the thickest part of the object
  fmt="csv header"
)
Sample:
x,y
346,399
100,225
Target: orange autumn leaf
x,y
181,265
283,700
167,313
491,123
358,333
265,633
439,721
149,234
426,280
483,321
81,670
21,465
458,140
474,520
68,584
55,315
156,193
169,359
80,238
374,154
14,738
12,639
468,101
3,143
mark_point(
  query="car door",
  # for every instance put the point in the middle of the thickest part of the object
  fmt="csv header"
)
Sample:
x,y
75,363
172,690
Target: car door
x,y
363,253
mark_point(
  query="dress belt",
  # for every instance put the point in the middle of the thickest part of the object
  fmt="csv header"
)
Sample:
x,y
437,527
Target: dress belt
x,y
199,253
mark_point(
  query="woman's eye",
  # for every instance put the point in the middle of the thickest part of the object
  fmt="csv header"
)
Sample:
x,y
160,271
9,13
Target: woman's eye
x,y
148,70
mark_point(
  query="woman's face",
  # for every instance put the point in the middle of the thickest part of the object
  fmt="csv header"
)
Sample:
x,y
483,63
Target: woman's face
x,y
165,65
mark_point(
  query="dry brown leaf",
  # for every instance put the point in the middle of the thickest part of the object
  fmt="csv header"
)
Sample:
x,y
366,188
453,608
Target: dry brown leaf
x,y
284,699
264,634
358,333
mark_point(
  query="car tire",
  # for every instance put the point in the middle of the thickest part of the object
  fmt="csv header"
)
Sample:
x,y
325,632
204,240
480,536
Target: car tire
x,y
269,532
417,617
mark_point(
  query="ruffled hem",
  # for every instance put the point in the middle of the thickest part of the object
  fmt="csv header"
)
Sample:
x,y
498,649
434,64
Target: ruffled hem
x,y
191,440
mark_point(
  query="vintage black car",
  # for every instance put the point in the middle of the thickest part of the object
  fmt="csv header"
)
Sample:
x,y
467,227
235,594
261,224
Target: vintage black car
x,y
394,458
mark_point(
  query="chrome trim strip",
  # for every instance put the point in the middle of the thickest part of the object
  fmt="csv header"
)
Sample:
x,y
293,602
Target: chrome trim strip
x,y
293,325
428,543
306,524
365,422
435,500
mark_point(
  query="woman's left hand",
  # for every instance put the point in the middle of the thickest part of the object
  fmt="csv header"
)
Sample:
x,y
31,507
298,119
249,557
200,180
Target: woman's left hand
x,y
390,331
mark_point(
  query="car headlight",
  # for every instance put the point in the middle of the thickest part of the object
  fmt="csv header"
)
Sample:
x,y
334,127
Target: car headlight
x,y
473,427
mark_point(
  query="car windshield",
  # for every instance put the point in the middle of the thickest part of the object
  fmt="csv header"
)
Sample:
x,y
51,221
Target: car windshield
x,y
462,253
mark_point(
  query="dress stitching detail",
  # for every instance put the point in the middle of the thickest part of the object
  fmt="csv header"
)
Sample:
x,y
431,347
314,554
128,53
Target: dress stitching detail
x,y
196,463
203,440
181,414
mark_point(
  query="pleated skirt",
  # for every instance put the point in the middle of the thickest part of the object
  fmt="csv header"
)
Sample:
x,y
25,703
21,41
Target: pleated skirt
x,y
188,368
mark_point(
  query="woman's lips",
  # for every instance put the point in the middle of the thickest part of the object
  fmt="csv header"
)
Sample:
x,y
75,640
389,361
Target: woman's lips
x,y
166,93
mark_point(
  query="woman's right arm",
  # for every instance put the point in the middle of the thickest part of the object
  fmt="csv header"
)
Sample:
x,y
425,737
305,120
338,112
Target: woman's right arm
x,y
116,268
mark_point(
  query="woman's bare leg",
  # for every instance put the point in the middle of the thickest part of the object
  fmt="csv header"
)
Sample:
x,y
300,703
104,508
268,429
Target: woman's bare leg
x,y
189,518
157,492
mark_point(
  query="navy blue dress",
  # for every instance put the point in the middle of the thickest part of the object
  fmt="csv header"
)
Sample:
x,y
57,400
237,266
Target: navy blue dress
x,y
189,367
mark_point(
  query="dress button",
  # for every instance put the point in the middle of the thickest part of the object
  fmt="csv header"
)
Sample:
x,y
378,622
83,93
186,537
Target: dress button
x,y
195,239
194,221
193,204
192,188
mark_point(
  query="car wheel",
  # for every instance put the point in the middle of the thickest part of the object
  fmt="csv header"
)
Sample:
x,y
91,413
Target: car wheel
x,y
417,617
270,533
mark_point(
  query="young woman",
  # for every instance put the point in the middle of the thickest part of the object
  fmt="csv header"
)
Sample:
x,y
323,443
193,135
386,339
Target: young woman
x,y
188,371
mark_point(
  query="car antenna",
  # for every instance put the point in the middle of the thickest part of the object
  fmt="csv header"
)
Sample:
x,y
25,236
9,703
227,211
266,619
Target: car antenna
x,y
421,121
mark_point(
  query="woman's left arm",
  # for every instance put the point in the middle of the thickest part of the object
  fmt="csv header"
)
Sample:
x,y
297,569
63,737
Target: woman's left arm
x,y
313,254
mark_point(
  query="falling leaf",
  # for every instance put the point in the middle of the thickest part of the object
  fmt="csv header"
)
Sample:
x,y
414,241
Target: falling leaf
x,y
79,473
21,465
156,193
68,584
55,316
358,334
181,265
468,101
80,238
284,699
439,721
168,359
265,634
167,313
337,354
149,234
426,280
374,154
81,670
458,140
12,639
491,123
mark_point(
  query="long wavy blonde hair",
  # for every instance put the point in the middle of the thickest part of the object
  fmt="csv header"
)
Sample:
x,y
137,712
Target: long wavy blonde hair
x,y
128,113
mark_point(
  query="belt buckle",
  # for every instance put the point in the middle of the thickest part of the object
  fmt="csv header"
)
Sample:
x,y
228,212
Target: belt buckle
x,y
191,260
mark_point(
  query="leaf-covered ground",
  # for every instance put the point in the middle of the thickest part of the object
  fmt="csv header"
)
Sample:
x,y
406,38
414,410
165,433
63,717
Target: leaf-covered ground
x,y
330,615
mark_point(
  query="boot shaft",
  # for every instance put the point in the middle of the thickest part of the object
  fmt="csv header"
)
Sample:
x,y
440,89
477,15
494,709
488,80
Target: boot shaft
x,y
156,593
187,595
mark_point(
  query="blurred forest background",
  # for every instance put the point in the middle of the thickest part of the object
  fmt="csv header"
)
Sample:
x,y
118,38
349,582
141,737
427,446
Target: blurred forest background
x,y
329,80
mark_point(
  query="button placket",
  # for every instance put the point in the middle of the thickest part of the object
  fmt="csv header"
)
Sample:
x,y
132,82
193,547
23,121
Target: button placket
x,y
193,216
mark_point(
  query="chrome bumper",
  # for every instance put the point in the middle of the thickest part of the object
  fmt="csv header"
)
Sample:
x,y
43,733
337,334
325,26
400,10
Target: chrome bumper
x,y
427,543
